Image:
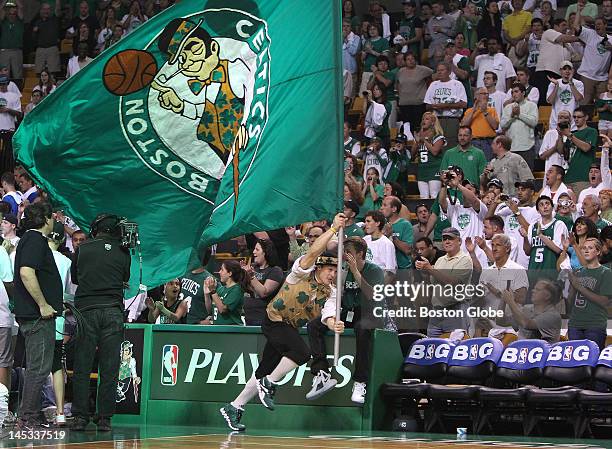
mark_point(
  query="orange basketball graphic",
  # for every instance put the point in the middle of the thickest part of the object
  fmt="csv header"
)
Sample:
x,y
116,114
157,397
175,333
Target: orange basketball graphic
x,y
129,71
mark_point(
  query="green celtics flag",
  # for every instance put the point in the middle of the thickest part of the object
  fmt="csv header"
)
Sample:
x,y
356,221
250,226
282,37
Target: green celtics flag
x,y
213,119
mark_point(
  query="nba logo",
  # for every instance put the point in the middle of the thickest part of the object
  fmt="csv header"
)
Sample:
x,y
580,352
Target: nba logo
x,y
430,352
567,353
523,355
169,364
473,352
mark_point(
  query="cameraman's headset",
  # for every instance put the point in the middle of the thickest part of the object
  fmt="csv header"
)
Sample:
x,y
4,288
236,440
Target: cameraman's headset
x,y
94,228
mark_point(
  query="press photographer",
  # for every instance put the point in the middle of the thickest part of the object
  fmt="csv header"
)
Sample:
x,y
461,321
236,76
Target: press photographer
x,y
101,271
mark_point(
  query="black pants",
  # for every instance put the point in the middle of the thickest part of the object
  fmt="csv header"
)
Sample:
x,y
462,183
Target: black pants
x,y
7,160
412,114
363,346
104,330
541,82
283,340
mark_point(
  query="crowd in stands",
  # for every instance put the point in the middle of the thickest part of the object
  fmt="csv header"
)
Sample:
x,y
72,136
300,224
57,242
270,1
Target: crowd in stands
x,y
497,115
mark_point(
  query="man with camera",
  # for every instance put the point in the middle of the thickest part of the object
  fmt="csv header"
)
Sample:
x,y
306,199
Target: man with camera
x,y
508,167
565,93
101,272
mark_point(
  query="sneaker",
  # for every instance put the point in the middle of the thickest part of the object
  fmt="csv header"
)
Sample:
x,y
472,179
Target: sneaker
x,y
9,420
232,417
266,389
321,384
104,425
60,420
31,424
359,392
50,413
79,424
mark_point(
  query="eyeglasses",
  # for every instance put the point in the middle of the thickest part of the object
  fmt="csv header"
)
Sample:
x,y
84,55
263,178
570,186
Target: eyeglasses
x,y
447,237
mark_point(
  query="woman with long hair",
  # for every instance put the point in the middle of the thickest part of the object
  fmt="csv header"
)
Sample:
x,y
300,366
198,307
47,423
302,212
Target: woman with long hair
x,y
395,189
348,12
377,115
171,309
226,300
605,197
265,278
134,18
428,145
490,25
572,245
373,193
46,83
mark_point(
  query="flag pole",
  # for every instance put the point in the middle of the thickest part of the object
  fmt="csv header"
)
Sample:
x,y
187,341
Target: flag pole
x,y
338,293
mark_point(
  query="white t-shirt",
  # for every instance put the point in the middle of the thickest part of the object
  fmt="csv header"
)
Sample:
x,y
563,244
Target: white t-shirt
x,y
533,44
596,59
63,266
551,53
375,160
549,141
564,101
6,275
74,67
512,225
496,100
499,64
9,100
451,91
12,87
533,96
466,220
383,252
555,197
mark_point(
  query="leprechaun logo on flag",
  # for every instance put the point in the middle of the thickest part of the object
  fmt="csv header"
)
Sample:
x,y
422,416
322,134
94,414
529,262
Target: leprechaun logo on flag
x,y
196,94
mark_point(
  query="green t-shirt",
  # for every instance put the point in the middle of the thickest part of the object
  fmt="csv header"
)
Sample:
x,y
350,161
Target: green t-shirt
x,y
353,231
372,274
407,28
402,229
398,161
369,204
443,222
569,223
579,162
192,291
601,223
472,161
429,165
464,64
587,314
390,92
380,45
605,115
11,34
233,298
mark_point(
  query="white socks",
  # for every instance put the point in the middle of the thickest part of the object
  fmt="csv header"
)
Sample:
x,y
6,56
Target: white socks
x,y
283,367
248,393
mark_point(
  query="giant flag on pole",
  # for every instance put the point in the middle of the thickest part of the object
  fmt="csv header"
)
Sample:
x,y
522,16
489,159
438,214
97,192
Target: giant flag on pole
x,y
213,119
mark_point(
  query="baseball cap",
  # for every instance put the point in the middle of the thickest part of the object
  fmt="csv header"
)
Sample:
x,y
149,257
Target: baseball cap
x,y
495,182
401,138
594,165
4,80
450,43
327,258
10,218
409,3
452,232
525,184
375,139
466,182
566,63
352,205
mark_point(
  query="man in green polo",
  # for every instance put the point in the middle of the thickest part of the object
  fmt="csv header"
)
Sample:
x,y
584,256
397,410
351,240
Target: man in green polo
x,y
472,160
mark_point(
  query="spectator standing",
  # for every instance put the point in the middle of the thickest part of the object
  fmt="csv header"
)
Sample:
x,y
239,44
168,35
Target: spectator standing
x,y
411,29
76,63
496,97
351,210
412,81
579,147
11,38
494,61
266,278
533,47
535,7
375,157
491,23
7,320
606,13
447,98
373,192
483,122
595,66
589,297
348,12
516,28
508,167
440,28
460,45
352,146
604,108
10,193
588,9
552,150
377,116
554,50
466,26
172,309
385,78
192,289
564,94
380,248
419,229
134,19
531,93
553,183
399,231
543,242
38,296
373,47
84,17
46,31
350,49
460,69
46,83
465,155
227,299
10,113
519,120
428,145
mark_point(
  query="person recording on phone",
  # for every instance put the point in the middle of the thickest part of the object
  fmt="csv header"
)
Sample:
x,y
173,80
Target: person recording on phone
x,y
101,272
38,298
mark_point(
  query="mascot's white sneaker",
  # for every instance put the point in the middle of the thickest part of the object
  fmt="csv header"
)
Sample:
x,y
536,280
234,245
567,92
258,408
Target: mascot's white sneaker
x,y
359,392
321,384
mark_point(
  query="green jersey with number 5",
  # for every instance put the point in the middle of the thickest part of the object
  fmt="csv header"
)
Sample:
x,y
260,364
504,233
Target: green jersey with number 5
x,y
542,260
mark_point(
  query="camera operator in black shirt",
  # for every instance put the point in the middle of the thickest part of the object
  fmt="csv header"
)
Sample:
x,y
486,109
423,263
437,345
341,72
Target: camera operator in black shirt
x,y
101,270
